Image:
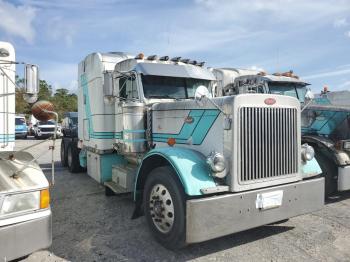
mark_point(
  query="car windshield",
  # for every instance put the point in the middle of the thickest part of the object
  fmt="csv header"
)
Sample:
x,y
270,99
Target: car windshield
x,y
74,120
20,121
50,122
288,89
171,87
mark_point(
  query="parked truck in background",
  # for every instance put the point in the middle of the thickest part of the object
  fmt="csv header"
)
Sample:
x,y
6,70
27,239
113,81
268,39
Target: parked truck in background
x,y
198,168
25,214
21,129
325,122
69,150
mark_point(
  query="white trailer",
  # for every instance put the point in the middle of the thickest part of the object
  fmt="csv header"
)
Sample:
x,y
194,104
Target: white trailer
x,y
25,214
199,168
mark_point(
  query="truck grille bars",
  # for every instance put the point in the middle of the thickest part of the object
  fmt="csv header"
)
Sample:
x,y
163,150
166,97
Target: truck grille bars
x,y
268,145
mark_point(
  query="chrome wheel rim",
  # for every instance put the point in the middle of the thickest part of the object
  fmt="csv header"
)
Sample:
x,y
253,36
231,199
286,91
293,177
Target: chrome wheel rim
x,y
161,208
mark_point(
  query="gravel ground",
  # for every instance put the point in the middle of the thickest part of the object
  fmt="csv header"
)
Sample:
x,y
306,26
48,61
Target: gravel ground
x,y
88,226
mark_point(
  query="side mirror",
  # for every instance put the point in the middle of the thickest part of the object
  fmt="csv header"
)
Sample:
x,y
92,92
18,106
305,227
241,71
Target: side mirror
x,y
309,95
31,83
201,92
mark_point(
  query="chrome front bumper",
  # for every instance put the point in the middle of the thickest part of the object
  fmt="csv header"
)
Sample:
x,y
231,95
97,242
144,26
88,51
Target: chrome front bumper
x,y
21,239
212,217
343,178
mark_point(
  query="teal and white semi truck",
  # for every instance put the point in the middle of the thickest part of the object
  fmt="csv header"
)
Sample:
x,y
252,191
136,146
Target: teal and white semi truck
x,y
325,120
198,167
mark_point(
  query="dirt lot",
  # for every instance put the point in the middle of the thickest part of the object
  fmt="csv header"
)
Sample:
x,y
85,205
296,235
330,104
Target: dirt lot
x,y
88,226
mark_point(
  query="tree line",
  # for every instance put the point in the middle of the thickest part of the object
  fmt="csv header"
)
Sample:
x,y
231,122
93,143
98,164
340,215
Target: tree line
x,y
62,99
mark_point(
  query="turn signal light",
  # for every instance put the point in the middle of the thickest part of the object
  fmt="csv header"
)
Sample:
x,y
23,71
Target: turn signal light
x,y
44,198
171,141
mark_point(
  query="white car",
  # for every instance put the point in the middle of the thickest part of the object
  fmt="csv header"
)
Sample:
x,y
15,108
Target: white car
x,y
46,129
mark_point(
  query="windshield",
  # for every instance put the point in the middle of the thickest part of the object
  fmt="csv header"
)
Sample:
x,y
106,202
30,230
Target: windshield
x,y
50,122
20,121
171,87
74,120
288,89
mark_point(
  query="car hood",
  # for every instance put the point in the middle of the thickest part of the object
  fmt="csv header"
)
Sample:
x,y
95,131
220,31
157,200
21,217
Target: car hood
x,y
46,126
31,178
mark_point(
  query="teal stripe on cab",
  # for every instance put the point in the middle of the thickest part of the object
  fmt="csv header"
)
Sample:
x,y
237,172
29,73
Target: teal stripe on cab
x,y
203,120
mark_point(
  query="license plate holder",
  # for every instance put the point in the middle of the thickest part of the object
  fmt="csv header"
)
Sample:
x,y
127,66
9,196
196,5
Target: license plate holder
x,y
269,200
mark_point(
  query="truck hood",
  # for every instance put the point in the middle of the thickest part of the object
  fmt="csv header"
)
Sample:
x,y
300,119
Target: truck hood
x,y
31,178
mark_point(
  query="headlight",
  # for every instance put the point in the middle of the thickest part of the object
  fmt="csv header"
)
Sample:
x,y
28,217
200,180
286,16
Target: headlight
x,y
307,152
216,161
25,202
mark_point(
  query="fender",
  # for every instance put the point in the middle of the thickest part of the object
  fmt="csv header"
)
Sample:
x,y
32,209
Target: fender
x,y
339,157
189,165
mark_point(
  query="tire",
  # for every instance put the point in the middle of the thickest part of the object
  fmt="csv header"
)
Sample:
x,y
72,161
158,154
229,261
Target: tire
x,y
73,158
329,172
164,207
63,153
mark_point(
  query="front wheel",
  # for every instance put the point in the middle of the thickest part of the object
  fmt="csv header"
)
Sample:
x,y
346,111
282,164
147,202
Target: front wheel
x,y
164,207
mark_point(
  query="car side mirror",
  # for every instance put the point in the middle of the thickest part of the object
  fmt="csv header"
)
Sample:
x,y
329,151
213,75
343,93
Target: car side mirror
x,y
309,96
200,93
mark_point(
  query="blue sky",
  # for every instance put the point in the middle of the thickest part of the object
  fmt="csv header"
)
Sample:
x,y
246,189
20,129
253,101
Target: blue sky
x,y
310,37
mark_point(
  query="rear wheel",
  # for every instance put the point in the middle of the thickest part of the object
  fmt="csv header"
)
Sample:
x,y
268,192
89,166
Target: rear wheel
x,y
164,207
64,161
329,172
73,159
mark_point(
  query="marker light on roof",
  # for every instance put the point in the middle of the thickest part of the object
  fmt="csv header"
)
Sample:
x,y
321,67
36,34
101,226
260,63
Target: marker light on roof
x,y
185,60
164,58
152,57
140,56
176,59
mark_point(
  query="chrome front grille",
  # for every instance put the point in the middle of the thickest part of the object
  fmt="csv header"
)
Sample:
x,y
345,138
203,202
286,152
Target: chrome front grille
x,y
268,144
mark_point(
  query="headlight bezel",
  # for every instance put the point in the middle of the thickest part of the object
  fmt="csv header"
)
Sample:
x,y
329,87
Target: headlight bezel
x,y
216,162
24,202
307,152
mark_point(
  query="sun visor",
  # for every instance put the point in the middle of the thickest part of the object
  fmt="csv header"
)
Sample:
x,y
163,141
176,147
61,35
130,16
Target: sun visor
x,y
173,70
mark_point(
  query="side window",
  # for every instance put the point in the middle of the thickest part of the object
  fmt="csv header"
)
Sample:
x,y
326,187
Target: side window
x,y
128,88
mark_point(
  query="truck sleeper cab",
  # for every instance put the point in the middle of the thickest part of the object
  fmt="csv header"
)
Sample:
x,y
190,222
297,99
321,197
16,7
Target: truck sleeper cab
x,y
325,122
199,168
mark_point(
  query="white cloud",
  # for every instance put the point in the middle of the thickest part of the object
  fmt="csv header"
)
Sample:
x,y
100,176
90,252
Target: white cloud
x,y
58,29
331,73
340,22
61,75
17,20
345,85
347,34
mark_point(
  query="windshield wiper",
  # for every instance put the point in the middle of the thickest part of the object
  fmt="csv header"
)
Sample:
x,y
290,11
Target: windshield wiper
x,y
164,96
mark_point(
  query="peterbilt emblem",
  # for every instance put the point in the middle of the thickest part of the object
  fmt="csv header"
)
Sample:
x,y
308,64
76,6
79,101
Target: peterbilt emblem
x,y
189,120
270,101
